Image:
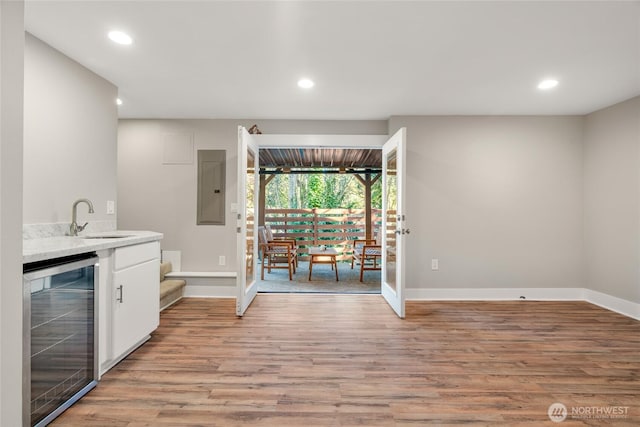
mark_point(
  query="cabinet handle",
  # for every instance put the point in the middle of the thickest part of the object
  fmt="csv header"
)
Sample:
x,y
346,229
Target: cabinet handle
x,y
120,299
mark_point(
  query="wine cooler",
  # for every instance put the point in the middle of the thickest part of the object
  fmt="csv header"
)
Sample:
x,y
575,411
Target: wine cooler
x,y
60,335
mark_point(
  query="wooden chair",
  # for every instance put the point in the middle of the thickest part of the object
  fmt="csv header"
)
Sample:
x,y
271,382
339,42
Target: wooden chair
x,y
367,253
271,238
276,253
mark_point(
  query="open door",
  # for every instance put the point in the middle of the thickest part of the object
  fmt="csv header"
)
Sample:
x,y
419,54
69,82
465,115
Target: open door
x,y
393,220
246,284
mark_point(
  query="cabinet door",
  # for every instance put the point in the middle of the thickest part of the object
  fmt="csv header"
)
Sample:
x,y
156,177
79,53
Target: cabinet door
x,y
136,311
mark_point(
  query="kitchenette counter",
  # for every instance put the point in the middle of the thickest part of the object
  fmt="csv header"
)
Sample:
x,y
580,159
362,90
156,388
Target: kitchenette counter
x,y
60,246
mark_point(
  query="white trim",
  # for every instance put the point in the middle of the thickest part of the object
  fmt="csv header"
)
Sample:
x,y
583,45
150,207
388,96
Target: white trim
x,y
618,305
395,295
326,141
496,294
200,274
221,286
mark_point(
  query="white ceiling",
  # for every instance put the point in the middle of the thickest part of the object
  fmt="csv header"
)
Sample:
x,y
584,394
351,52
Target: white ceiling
x,y
369,59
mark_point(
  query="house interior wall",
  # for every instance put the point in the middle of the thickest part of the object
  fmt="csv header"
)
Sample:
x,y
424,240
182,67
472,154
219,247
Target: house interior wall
x,y
612,200
70,130
497,200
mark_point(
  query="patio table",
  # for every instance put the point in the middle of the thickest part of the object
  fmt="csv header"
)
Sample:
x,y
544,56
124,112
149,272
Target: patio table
x,y
322,255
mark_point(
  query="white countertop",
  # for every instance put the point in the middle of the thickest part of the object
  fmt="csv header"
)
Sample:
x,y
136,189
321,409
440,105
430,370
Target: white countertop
x,y
60,246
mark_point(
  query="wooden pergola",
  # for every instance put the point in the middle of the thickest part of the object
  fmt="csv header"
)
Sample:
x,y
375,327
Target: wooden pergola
x,y
364,164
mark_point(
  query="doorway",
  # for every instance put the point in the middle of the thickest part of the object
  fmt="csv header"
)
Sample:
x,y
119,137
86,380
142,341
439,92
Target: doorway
x,y
321,197
252,207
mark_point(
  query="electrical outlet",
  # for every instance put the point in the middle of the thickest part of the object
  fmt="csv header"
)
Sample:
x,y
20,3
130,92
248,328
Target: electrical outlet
x,y
111,207
435,264
222,260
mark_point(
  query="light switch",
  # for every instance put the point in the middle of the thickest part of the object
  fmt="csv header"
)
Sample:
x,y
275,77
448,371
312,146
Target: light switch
x,y
111,207
435,264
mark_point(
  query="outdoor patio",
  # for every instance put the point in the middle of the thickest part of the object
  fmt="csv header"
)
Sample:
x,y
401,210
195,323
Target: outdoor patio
x,y
336,227
323,280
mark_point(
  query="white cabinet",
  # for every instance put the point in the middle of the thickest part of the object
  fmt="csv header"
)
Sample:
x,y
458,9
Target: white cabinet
x,y
130,308
136,310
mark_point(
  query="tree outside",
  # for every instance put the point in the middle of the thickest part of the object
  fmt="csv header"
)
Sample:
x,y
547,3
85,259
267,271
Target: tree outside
x,y
318,190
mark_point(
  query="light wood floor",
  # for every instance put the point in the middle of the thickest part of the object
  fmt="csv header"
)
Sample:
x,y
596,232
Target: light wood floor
x,y
346,360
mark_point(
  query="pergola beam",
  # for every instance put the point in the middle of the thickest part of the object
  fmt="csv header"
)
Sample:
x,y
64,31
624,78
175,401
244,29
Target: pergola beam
x,y
264,180
279,171
367,181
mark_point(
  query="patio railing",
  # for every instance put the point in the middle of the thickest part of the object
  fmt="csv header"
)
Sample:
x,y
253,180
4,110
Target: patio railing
x,y
335,228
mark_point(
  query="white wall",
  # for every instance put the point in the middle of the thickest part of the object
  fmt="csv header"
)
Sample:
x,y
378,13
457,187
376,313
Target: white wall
x,y
70,136
498,200
162,198
612,200
11,124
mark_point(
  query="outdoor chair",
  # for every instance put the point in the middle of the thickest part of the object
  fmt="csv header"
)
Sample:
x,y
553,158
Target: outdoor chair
x,y
277,253
367,253
271,238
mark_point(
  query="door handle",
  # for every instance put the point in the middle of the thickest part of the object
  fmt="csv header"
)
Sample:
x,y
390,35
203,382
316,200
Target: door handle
x,y
121,298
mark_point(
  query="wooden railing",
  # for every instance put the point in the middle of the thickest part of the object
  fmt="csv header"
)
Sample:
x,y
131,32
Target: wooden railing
x,y
336,228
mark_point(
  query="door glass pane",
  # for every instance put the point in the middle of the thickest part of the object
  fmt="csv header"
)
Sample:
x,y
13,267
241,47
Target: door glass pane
x,y
250,216
392,205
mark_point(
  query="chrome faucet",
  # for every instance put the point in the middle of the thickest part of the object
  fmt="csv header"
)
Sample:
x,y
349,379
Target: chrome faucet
x,y
75,228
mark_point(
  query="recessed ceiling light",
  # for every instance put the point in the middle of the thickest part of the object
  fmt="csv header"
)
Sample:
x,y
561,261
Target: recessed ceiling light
x,y
306,83
547,84
118,101
120,37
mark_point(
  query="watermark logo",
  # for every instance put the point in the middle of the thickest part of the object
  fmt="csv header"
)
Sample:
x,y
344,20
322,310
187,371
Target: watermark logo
x,y
557,412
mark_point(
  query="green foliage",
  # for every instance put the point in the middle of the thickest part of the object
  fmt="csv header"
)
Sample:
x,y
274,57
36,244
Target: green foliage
x,y
297,191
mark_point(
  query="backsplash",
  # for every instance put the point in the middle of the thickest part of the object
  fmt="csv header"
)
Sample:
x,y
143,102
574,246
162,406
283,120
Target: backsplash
x,y
55,229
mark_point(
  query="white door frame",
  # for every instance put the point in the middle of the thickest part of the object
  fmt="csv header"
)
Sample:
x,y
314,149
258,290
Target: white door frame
x,y
395,295
245,293
294,140
321,141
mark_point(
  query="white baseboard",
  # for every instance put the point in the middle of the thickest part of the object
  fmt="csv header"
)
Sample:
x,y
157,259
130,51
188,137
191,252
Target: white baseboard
x,y
209,292
496,294
201,274
207,284
618,305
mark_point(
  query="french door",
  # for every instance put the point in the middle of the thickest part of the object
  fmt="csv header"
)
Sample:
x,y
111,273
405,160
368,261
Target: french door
x,y
247,226
393,221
